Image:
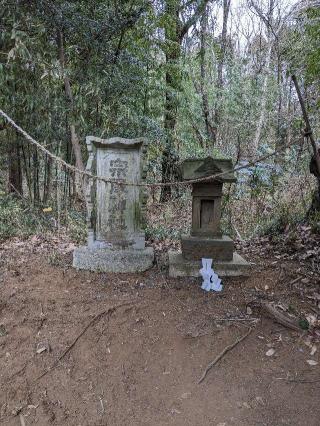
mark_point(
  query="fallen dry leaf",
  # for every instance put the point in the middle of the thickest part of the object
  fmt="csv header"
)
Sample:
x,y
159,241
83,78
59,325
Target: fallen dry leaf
x,y
312,320
186,395
270,352
260,400
312,362
313,350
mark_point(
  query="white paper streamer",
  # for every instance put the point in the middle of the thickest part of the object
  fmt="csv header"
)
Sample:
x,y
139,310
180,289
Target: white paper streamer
x,y
211,281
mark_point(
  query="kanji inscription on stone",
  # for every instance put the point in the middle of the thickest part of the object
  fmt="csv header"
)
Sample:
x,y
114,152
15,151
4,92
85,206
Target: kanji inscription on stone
x,y
118,194
116,202
118,168
116,207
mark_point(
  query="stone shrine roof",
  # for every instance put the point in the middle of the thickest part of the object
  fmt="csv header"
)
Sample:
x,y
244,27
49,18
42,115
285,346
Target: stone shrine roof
x,y
196,168
115,142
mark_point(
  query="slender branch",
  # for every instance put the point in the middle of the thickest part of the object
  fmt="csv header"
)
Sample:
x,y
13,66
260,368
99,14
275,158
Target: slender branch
x,y
309,131
198,12
94,319
225,350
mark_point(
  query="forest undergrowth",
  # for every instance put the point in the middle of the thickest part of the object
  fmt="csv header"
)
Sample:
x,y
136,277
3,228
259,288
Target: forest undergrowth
x,y
45,301
249,215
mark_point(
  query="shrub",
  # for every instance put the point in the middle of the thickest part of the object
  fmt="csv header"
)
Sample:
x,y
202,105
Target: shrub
x,y
18,219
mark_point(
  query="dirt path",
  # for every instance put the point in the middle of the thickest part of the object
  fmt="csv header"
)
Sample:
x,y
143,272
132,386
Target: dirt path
x,y
139,365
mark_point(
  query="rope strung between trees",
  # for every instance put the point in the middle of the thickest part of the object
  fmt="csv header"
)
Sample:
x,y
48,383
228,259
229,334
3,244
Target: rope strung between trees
x,y
148,185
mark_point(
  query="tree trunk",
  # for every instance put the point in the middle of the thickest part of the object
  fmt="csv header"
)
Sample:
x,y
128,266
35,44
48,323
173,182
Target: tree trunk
x,y
48,180
15,175
268,21
211,130
315,201
35,173
264,96
173,80
221,61
315,160
281,136
80,186
175,30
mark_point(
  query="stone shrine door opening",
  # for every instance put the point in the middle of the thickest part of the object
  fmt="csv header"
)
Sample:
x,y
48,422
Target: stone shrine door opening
x,y
207,214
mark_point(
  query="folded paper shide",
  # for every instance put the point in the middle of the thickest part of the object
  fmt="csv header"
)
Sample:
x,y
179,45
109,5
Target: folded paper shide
x,y
211,281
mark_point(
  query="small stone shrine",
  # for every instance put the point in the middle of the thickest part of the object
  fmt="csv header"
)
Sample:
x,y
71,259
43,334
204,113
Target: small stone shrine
x,y
115,212
205,239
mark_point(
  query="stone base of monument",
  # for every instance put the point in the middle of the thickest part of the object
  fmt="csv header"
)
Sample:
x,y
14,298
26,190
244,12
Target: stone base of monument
x,y
113,260
217,248
181,267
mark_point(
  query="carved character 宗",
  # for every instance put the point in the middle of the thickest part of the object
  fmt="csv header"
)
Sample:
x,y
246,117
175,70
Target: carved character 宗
x,y
115,207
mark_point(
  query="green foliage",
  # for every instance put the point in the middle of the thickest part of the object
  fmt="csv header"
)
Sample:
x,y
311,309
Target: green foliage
x,y
161,233
75,223
314,222
126,65
302,50
282,218
56,258
17,219
107,53
312,31
304,324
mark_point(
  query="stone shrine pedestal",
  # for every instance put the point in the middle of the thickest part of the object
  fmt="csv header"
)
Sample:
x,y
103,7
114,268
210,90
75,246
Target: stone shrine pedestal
x,y
115,212
180,267
205,239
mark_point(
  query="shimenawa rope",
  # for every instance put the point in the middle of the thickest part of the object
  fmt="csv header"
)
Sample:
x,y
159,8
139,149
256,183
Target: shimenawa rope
x,y
148,185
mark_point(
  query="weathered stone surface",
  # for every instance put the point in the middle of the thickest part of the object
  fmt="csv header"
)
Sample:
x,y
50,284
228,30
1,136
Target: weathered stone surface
x,y
206,195
206,209
112,260
202,167
195,248
115,210
206,240
180,267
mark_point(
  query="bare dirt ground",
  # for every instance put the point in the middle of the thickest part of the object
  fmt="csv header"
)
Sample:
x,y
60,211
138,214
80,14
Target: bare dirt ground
x,y
139,363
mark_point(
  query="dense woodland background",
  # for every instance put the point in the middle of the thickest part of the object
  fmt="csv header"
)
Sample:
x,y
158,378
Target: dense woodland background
x,y
196,77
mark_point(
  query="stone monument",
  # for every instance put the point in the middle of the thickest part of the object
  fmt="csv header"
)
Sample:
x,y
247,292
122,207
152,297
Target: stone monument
x,y
205,239
115,212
